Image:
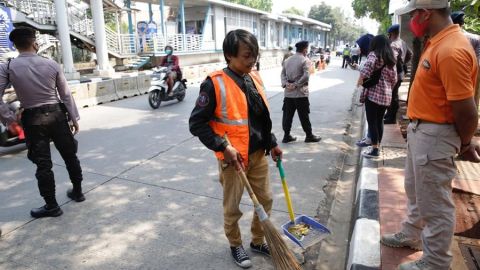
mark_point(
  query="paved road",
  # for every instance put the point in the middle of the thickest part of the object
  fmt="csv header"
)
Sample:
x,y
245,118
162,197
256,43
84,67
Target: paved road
x,y
153,197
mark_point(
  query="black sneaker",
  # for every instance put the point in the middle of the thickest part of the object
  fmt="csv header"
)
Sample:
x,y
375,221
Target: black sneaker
x,y
263,249
240,257
76,196
288,138
371,152
312,139
46,211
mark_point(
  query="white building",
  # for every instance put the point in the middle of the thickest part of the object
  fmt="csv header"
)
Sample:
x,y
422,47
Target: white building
x,y
195,28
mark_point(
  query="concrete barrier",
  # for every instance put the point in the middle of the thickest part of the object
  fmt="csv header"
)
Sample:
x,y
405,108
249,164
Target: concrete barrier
x,y
101,92
143,83
126,86
80,94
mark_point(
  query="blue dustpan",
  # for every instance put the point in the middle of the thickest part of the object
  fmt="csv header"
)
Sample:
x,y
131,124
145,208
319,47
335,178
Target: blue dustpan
x,y
317,231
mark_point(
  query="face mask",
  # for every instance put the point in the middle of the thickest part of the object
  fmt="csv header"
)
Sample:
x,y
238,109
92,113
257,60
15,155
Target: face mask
x,y
168,52
418,29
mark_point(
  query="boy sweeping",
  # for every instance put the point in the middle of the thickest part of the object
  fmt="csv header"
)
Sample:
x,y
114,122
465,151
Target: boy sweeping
x,y
232,102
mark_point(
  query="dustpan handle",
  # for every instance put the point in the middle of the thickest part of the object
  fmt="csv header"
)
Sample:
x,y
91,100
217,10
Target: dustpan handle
x,y
285,190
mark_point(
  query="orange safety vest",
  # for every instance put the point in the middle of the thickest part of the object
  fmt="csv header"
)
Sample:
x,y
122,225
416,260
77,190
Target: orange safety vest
x,y
231,113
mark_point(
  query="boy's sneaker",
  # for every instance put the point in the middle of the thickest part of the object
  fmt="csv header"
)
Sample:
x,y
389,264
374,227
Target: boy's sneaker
x,y
240,257
364,142
371,152
263,249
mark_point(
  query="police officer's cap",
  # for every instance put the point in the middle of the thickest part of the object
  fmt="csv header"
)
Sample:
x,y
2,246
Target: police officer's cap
x,y
457,16
301,45
21,32
393,28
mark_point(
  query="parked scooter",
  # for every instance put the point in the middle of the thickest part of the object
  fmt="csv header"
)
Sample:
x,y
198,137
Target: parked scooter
x,y
9,137
158,89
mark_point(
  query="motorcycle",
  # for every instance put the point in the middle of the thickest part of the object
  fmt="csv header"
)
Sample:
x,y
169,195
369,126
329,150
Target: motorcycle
x,y
158,89
10,137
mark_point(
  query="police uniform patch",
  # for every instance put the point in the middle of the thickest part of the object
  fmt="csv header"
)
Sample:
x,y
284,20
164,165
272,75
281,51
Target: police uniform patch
x,y
203,99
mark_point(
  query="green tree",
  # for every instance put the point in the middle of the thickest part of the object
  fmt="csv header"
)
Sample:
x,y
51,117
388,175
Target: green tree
x,y
374,9
342,28
293,10
265,5
472,13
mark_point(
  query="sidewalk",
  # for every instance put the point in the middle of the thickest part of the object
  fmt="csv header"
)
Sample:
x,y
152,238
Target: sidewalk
x,y
392,200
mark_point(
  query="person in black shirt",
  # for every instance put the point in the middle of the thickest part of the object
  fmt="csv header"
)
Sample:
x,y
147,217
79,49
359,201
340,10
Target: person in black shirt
x,y
232,102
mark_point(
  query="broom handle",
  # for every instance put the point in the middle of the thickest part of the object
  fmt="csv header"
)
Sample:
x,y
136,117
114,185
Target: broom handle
x,y
285,190
262,215
249,188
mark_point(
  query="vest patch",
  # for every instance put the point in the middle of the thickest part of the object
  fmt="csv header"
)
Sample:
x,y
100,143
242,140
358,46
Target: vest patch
x,y
203,100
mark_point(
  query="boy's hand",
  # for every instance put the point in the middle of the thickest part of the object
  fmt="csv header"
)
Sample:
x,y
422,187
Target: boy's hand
x,y
233,158
276,153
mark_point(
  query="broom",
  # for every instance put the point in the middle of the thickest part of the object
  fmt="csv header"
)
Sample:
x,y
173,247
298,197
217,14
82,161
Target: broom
x,y
282,257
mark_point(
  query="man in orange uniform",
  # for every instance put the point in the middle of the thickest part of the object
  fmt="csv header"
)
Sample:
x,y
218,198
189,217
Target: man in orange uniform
x,y
232,102
443,120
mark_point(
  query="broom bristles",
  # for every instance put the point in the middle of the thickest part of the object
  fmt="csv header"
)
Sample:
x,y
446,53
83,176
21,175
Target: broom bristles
x,y
282,257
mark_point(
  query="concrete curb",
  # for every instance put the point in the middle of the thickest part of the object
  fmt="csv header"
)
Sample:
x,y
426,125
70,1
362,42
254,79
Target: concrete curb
x,y
365,239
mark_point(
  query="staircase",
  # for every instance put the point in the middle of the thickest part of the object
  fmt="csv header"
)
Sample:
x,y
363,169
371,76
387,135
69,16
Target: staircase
x,y
40,14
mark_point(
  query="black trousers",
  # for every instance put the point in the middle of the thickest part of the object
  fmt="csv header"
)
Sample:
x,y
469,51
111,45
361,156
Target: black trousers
x,y
346,61
375,115
41,126
355,59
302,105
392,110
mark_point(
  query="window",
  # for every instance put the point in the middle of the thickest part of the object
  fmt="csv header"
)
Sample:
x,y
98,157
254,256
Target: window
x,y
263,33
235,19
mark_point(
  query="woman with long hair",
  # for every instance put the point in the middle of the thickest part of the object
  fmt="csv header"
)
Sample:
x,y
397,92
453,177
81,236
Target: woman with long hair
x,y
377,97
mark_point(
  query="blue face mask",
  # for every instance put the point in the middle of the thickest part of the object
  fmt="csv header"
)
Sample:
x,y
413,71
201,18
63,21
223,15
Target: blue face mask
x,y
168,52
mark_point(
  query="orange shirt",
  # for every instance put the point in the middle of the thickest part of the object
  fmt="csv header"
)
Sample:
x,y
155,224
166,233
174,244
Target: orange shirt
x,y
447,71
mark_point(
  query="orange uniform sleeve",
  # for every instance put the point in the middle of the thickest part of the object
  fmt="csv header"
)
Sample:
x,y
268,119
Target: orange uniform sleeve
x,y
457,72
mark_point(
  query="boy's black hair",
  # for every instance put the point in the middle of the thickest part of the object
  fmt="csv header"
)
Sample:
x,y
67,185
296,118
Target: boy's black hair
x,y
232,41
23,37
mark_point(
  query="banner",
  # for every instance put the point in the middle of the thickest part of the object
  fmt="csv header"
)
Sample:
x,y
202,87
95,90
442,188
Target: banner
x,y
6,26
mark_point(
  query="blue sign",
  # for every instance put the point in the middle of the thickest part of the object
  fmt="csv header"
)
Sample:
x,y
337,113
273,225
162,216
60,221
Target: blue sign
x,y
6,26
152,28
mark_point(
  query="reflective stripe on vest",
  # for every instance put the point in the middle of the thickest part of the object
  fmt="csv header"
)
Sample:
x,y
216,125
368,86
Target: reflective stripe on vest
x,y
223,106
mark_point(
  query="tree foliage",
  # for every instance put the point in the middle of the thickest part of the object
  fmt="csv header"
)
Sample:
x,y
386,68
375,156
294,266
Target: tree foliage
x,y
265,5
374,9
293,10
378,10
472,13
343,29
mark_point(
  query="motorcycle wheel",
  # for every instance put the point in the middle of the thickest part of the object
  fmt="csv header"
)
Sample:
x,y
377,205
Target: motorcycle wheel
x,y
181,97
154,99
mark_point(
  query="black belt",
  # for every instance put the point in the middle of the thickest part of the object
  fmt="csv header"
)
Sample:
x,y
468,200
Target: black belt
x,y
45,108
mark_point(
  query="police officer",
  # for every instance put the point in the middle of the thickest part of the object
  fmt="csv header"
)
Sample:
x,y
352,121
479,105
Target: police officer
x,y
295,76
42,89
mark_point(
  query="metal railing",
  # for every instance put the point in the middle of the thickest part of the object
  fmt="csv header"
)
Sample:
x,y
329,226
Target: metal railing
x,y
43,11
